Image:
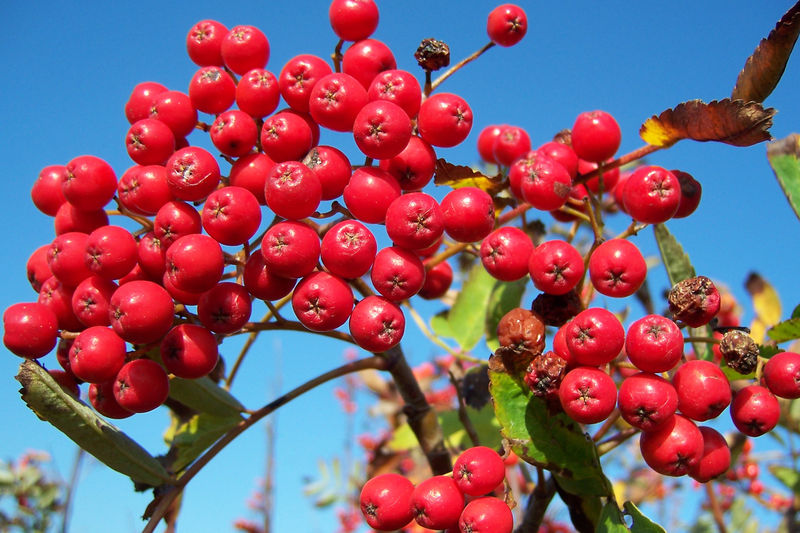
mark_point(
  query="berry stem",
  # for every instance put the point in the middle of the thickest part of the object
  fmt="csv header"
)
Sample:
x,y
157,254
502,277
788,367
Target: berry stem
x,y
707,340
455,68
607,425
165,500
716,510
618,162
294,326
336,56
615,440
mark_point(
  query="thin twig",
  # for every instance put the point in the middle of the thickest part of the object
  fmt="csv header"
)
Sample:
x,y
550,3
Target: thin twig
x,y
455,68
463,417
294,326
71,487
716,510
622,160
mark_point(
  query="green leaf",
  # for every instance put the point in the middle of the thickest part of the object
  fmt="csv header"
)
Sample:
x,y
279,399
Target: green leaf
x,y
80,423
189,439
611,520
465,321
767,351
483,420
505,297
204,396
441,326
784,158
550,440
796,312
788,330
641,524
679,268
788,476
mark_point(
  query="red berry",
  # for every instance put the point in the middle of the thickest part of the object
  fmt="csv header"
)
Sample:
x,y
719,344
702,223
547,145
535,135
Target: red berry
x,y
505,253
691,190
141,386
30,330
369,193
174,109
322,301
587,394
674,448
90,300
331,167
90,183
654,344
37,269
610,177
478,471
225,308
97,354
595,136
67,258
46,192
414,221
262,283
291,249
234,133
381,129
561,153
111,252
716,458
437,281
292,190
437,503
204,42
486,139
397,273
414,166
782,375
646,400
58,298
195,263
141,312
512,143
755,410
348,249
258,93
298,77
385,501
141,100
444,119
335,101
245,48
367,58
143,189
101,396
486,515
192,173
231,215
652,194
555,267
399,87
703,390
212,90
543,182
377,324
149,142
594,337
507,24
617,268
250,172
174,220
468,214
286,136
353,20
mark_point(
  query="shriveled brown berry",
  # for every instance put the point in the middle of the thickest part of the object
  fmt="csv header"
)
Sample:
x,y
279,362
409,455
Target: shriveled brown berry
x,y
564,137
740,351
432,54
509,361
544,375
557,309
521,330
694,301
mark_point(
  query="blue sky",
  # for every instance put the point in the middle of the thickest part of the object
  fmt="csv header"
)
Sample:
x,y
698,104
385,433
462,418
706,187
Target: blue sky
x,y
69,71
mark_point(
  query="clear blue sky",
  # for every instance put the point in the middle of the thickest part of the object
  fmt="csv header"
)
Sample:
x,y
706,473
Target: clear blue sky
x,y
70,68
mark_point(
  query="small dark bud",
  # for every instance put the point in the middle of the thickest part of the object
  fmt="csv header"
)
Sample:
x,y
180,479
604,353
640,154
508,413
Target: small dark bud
x,y
694,301
557,309
740,351
432,54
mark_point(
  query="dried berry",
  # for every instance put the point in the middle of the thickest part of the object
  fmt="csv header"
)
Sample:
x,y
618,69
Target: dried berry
x,y
432,54
557,309
740,351
694,301
544,375
521,330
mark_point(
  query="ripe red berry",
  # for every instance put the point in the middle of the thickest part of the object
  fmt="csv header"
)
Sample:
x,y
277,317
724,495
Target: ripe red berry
x,y
90,183
141,100
111,252
37,269
46,191
141,386
561,153
332,167
617,268
594,337
192,173
348,249
250,172
286,136
204,42
385,502
141,312
654,344
234,133
486,515
555,267
149,142
174,109
755,410
703,390
377,324
444,119
486,139
97,354
505,253
101,396
245,48
716,458
90,300
262,283
258,93
674,448
174,220
691,191
189,351
367,58
399,87
290,249
414,221
652,194
512,143
292,190
437,503
143,189
225,308
195,263
353,20
381,129
437,281
610,177
298,77
782,375
369,193
414,166
30,330
543,182
67,258
335,101
595,136
646,400
322,301
212,90
587,394
397,273
478,471
231,215
468,214
507,24
58,298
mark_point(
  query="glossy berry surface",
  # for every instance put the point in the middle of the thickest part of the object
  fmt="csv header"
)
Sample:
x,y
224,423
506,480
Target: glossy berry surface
x,y
674,448
617,268
654,343
385,501
507,24
486,515
594,337
587,394
468,214
478,470
755,410
141,386
377,324
596,136
437,503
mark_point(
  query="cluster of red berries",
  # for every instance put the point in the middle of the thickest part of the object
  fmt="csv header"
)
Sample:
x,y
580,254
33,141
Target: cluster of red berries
x,y
461,502
119,299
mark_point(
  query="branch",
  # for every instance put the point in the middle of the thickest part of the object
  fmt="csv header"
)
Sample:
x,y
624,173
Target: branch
x,y
537,505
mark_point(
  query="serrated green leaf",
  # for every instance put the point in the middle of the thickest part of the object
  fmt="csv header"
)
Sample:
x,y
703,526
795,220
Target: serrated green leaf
x,y
189,439
611,520
796,312
550,440
641,523
766,351
784,158
81,424
733,375
788,476
205,396
467,317
505,297
788,330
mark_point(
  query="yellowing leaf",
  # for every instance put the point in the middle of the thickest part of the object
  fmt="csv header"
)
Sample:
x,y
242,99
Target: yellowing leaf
x,y
457,176
764,68
766,303
758,330
734,122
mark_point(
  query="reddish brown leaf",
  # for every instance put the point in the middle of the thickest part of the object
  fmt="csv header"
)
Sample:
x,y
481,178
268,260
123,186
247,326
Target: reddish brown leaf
x,y
457,176
764,68
731,122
